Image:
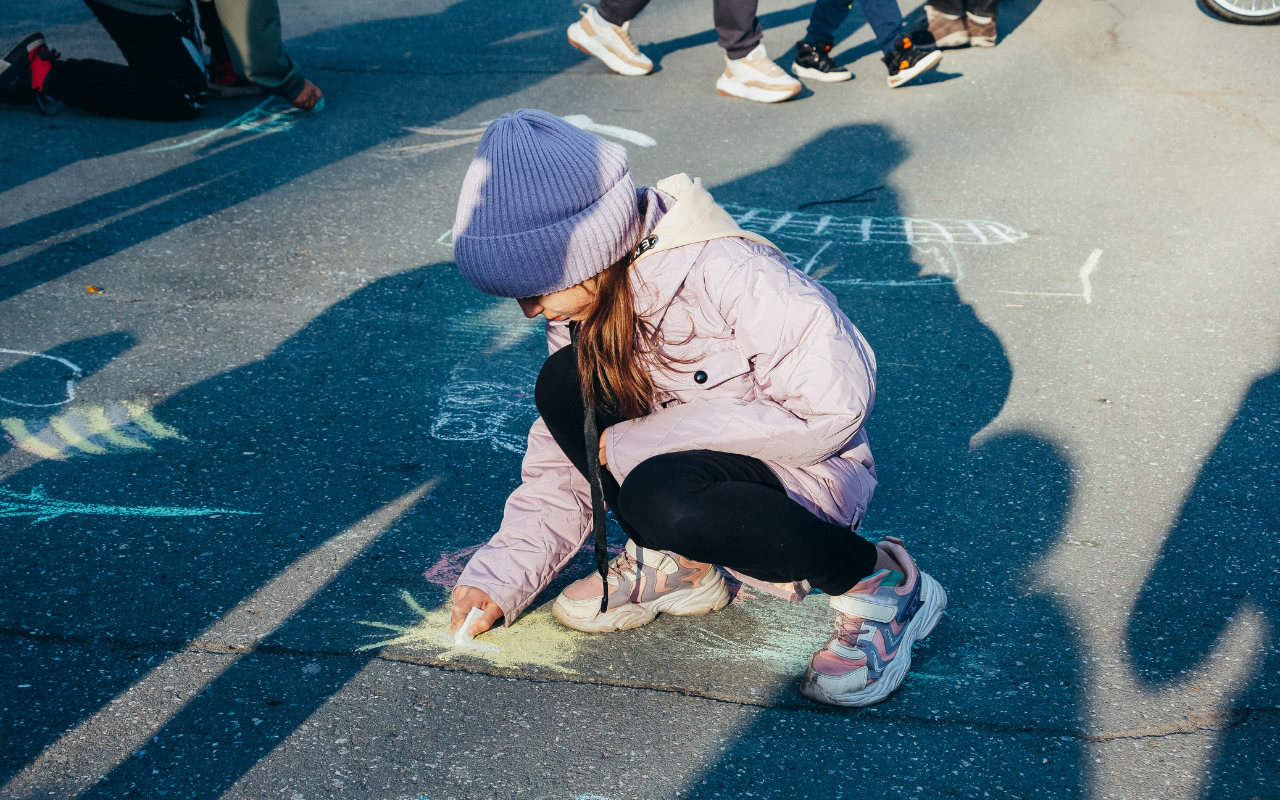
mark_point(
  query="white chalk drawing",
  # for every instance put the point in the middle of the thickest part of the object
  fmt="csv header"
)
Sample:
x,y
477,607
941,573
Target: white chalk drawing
x,y
1086,286
612,131
70,384
806,238
463,136
272,115
122,427
495,411
43,508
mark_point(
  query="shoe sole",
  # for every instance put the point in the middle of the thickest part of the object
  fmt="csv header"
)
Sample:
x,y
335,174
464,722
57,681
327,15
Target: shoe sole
x,y
730,88
922,66
710,596
818,75
594,49
982,41
952,40
933,602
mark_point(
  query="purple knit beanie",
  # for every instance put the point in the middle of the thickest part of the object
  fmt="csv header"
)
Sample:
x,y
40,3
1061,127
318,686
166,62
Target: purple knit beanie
x,y
544,206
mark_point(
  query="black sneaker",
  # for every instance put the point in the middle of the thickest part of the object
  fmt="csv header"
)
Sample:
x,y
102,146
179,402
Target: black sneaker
x,y
907,62
814,61
17,79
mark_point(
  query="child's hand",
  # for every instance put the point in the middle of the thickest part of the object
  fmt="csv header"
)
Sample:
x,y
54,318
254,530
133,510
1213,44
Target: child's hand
x,y
466,598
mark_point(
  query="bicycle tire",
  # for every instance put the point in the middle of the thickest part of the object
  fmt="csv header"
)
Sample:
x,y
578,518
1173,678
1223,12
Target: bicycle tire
x,y
1243,12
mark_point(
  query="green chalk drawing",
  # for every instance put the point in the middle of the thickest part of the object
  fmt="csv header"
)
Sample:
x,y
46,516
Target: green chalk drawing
x,y
39,505
268,116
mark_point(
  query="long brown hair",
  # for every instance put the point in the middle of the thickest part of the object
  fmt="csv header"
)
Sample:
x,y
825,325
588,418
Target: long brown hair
x,y
617,347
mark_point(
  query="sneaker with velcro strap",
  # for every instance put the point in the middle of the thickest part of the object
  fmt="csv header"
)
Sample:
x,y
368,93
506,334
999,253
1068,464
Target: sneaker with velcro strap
x,y
642,584
877,622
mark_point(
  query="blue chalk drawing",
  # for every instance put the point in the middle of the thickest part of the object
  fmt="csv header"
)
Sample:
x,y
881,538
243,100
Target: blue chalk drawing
x,y
39,505
262,118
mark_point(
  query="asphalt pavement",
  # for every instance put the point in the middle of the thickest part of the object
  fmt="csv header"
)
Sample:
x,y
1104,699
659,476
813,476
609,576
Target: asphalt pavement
x,y
239,476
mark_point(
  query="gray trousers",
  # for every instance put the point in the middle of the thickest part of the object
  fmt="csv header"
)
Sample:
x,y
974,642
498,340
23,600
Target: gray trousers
x,y
982,8
735,21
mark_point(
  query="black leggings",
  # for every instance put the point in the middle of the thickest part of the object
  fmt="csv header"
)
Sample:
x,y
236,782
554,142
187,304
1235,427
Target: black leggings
x,y
720,508
164,79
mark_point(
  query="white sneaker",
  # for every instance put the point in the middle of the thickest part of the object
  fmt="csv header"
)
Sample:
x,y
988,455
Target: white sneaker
x,y
756,77
642,584
609,43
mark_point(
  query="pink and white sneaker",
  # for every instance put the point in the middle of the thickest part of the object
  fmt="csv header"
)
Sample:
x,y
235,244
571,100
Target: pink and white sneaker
x,y
642,584
876,625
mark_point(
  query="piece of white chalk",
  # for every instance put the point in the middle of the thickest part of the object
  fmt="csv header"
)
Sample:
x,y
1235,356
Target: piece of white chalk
x,y
462,636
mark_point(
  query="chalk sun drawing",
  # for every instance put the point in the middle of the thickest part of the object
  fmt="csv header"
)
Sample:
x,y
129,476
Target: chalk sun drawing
x,y
70,389
262,118
535,639
122,427
463,136
43,508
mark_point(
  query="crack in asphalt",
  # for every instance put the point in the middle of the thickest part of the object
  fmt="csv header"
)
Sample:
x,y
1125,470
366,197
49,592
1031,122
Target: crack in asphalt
x,y
1190,725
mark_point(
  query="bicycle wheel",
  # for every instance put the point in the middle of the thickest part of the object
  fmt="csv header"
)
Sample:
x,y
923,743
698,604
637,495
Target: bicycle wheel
x,y
1245,12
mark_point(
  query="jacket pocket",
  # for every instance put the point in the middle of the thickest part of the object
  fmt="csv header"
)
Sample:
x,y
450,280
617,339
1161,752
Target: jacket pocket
x,y
712,371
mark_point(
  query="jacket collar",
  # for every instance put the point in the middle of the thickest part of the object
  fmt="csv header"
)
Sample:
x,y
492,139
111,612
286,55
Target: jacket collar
x,y
694,218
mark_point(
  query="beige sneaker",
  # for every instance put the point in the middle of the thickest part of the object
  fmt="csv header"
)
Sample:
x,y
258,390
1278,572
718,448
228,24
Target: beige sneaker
x,y
642,584
946,30
756,77
982,30
609,43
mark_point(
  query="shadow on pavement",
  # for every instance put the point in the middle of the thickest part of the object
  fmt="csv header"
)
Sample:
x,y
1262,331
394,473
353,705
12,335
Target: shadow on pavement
x,y
980,708
1222,558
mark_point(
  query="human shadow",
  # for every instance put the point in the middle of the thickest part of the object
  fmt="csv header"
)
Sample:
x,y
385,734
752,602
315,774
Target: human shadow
x,y
360,113
975,517
47,380
1223,554
334,425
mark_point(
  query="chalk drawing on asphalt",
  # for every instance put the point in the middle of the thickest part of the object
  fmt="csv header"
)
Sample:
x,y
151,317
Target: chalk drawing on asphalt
x,y
809,239
790,632
486,411
461,136
1086,286
69,389
534,640
37,504
122,427
272,115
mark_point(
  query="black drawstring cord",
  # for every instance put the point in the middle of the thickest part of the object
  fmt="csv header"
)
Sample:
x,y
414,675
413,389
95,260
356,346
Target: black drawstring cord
x,y
591,432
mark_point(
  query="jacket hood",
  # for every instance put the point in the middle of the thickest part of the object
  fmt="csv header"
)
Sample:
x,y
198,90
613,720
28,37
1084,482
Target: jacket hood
x,y
694,218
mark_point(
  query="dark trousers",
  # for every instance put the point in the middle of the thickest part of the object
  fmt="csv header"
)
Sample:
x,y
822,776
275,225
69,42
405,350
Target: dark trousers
x,y
982,8
883,16
165,79
719,508
735,21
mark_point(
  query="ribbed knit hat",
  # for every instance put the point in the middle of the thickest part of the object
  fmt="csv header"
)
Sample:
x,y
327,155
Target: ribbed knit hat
x,y
544,206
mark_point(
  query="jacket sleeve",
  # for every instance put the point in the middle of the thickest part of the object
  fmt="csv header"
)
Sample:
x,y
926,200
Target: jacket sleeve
x,y
546,520
814,374
252,29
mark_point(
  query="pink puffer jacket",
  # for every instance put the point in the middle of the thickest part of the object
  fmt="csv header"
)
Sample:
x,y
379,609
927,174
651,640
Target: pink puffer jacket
x,y
790,381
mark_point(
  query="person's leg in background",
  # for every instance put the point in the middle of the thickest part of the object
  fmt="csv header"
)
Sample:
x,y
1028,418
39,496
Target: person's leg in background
x,y
165,79
223,80
980,17
604,32
749,73
946,23
957,23
813,52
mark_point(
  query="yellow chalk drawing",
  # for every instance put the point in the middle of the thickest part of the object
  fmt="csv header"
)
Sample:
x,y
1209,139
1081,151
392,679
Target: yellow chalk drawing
x,y
535,640
91,430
